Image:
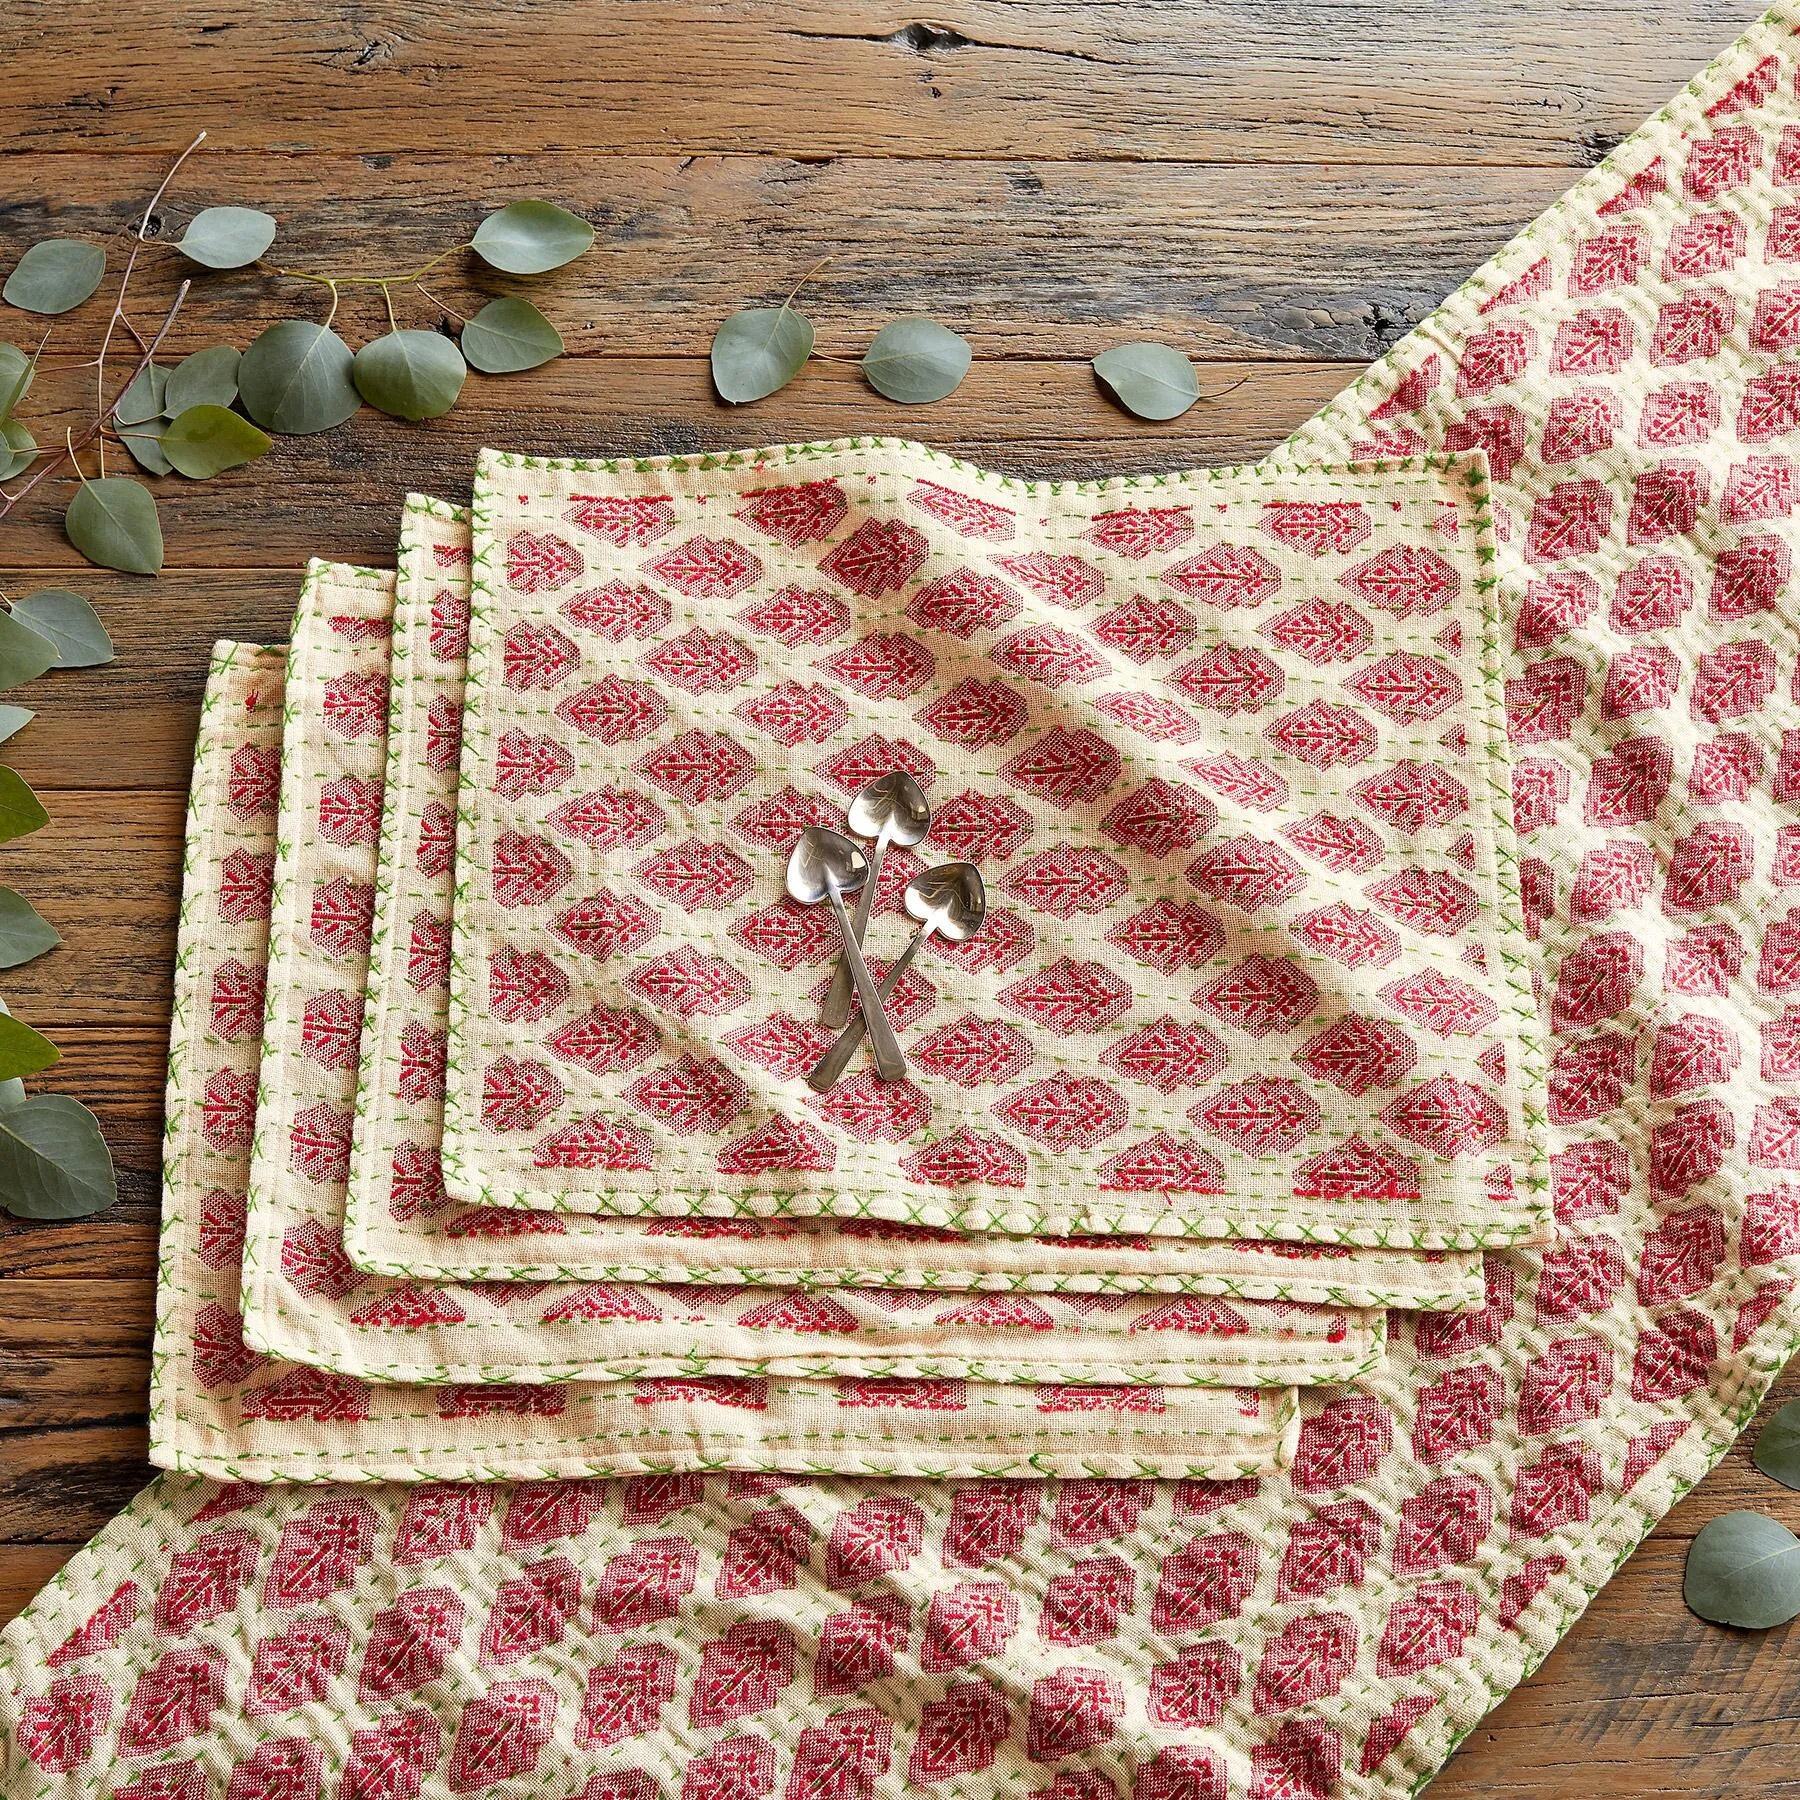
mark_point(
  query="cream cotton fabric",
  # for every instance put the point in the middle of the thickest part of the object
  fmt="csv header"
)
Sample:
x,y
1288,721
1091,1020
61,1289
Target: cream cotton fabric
x,y
304,1303
400,1222
1252,967
217,1407
1330,1633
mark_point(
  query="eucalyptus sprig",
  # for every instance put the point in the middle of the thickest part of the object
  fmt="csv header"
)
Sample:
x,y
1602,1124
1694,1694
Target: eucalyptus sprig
x,y
54,1163
217,409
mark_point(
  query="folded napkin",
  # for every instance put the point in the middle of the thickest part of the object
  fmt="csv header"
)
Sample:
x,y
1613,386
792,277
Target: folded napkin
x,y
400,1222
1228,747
219,1407
302,1302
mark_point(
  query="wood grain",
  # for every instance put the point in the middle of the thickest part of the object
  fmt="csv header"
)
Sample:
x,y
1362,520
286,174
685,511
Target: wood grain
x,y
1313,260
1281,186
1351,81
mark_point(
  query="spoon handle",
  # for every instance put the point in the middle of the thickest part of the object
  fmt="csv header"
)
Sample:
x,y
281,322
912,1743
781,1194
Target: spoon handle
x,y
890,1063
836,1060
836,1010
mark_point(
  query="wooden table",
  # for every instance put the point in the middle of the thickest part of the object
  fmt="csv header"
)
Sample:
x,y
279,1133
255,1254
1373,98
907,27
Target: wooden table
x,y
1281,186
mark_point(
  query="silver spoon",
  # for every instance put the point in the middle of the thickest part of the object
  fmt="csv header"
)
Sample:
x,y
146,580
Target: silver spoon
x,y
826,865
950,902
891,809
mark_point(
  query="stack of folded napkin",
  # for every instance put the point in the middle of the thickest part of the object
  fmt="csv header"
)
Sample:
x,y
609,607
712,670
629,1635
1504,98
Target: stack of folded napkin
x,y
494,1015
1226,1149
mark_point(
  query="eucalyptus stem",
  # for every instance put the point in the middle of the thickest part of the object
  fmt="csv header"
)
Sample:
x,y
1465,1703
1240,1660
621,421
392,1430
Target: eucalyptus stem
x,y
337,280
106,416
142,237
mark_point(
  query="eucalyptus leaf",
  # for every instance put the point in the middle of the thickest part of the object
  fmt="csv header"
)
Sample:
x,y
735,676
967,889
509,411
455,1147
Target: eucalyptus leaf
x,y
509,335
227,237
758,352
1744,1569
12,1093
14,719
915,361
207,378
295,378
21,811
16,369
24,932
20,449
411,374
143,400
1151,381
143,443
530,236
1777,1451
70,624
54,1163
207,440
24,654
113,522
54,276
22,1050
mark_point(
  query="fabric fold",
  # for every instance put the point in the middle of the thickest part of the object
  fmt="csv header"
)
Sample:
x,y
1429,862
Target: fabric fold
x,y
400,1222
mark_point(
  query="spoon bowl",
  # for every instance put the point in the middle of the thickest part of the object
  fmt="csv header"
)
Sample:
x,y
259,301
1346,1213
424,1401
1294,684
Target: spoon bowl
x,y
893,806
822,860
950,899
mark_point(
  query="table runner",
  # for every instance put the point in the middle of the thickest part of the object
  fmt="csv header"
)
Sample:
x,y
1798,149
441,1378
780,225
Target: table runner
x,y
399,1222
301,1304
1386,1663
218,1407
1198,728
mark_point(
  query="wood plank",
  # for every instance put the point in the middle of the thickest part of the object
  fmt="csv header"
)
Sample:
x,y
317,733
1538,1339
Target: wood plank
x,y
106,872
24,1569
339,494
1038,259
1236,80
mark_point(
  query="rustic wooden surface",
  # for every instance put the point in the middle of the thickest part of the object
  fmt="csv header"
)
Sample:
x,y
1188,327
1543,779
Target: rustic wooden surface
x,y
1282,186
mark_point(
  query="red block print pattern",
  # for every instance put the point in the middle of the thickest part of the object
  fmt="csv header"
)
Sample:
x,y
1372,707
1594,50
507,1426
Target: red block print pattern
x,y
224,1402
306,1300
1241,740
1258,1592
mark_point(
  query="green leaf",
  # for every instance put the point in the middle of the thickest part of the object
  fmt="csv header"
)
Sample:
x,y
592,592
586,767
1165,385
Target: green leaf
x,y
113,522
411,374
1777,1451
757,352
54,1163
21,811
143,443
915,361
24,932
227,237
54,276
20,449
14,719
207,440
207,378
530,236
22,1050
1150,381
143,400
509,335
1744,1569
24,654
295,378
16,370
70,624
